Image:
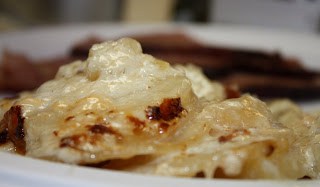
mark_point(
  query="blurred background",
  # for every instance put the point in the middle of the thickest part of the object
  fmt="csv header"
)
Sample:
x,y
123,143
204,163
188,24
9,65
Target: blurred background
x,y
297,15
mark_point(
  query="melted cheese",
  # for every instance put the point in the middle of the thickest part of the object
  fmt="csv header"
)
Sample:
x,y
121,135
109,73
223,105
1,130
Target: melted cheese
x,y
113,89
143,115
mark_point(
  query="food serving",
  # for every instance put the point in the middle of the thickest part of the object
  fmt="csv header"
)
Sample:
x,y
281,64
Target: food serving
x,y
267,74
124,110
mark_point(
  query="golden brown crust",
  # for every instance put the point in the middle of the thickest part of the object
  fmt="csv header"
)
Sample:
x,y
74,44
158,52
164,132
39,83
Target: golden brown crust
x,y
12,127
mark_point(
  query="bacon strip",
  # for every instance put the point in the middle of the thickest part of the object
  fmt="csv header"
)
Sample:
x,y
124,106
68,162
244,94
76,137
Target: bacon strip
x,y
251,71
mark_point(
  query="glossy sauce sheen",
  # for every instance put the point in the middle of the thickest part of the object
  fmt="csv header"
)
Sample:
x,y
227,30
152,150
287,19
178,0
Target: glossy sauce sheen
x,y
132,112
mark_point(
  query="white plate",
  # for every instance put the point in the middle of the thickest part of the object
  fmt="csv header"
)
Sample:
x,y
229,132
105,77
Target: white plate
x,y
48,42
17,170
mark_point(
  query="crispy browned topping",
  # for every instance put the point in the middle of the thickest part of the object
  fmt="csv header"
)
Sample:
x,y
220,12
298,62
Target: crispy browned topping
x,y
69,118
12,127
168,110
200,174
138,124
270,150
219,173
96,132
163,128
305,178
101,129
229,137
71,141
56,133
153,113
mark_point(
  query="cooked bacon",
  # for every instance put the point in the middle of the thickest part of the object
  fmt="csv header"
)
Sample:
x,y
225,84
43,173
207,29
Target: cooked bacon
x,y
232,66
18,72
266,86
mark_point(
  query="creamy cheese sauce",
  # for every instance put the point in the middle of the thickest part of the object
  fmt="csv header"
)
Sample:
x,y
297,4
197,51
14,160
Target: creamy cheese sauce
x,y
125,110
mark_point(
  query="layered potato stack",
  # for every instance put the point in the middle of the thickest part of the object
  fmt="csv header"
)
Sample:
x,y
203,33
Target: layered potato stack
x,y
125,110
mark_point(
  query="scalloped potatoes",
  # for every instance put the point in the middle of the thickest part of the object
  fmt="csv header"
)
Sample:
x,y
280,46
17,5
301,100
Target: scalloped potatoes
x,y
125,110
